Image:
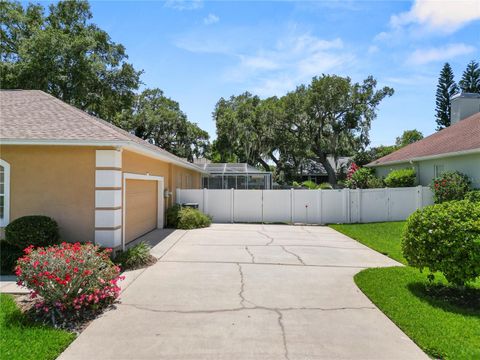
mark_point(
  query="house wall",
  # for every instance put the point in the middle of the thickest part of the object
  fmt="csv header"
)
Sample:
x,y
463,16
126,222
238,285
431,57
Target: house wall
x,y
174,176
56,181
467,164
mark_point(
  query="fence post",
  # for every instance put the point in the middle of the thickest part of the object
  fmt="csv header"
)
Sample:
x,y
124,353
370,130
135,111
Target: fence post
x,y
346,205
232,208
359,205
319,206
419,196
291,205
205,201
388,191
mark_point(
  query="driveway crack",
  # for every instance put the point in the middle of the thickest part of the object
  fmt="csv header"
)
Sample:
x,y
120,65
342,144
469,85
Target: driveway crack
x,y
284,336
268,237
251,254
242,290
292,253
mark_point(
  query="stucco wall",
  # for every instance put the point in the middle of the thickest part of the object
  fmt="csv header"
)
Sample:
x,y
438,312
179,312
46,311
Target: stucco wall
x,y
174,176
55,181
467,164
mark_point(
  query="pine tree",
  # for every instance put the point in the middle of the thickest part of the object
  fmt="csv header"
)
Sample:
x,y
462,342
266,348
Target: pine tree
x,y
446,88
470,82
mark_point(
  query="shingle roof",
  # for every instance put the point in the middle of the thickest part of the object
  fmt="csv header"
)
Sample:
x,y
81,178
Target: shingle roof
x,y
35,115
462,136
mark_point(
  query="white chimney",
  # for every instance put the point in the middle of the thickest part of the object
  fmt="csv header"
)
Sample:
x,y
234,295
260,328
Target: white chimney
x,y
463,105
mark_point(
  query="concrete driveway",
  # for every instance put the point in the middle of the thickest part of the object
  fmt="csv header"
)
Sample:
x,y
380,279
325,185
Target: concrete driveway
x,y
249,292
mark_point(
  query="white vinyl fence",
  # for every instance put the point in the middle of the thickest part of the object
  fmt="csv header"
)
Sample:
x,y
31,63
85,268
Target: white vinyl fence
x,y
308,206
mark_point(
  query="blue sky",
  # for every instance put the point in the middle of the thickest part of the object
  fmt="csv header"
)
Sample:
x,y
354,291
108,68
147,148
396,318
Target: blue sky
x,y
200,51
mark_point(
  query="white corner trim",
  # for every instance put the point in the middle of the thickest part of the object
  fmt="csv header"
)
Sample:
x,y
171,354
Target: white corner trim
x,y
108,158
108,178
108,238
108,218
6,204
160,200
108,198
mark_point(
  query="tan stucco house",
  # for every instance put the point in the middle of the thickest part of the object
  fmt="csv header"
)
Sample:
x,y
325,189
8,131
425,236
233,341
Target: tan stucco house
x,y
455,148
100,183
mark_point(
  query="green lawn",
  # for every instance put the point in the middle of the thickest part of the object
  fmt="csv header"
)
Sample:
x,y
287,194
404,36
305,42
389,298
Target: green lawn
x,y
443,321
21,339
382,237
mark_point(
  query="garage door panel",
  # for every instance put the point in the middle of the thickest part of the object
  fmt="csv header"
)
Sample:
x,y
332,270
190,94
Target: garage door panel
x,y
140,208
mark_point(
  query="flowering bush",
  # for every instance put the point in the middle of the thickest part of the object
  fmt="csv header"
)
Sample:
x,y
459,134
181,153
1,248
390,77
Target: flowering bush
x,y
445,237
363,178
352,169
451,185
68,280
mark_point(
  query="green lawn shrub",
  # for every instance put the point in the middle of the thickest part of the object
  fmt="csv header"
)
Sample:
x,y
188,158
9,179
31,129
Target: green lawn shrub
x,y
445,237
36,230
401,178
136,257
189,218
325,186
9,255
473,196
451,185
172,215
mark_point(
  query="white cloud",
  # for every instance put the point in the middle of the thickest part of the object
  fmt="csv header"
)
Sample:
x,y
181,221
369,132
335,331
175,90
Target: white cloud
x,y
184,4
439,15
443,53
271,67
211,19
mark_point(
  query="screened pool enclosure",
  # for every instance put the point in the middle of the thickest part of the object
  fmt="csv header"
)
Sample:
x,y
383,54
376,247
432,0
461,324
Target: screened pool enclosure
x,y
235,176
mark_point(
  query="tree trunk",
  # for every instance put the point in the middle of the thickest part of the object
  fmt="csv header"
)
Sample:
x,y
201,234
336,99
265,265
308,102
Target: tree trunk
x,y
332,174
264,164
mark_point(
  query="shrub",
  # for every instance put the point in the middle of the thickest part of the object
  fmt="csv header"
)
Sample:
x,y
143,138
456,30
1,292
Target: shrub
x,y
309,184
325,186
363,178
473,196
135,257
451,185
33,230
401,178
69,281
8,257
172,215
192,219
445,237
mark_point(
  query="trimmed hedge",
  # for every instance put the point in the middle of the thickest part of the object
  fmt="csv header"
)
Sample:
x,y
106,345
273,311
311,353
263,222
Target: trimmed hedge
x,y
9,255
473,196
186,218
36,230
445,237
192,219
401,178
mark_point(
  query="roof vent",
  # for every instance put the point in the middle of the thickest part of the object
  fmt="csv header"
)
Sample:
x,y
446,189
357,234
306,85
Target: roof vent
x,y
464,105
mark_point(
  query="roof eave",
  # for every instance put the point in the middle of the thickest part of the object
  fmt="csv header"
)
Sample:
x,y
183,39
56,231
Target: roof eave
x,y
129,145
428,157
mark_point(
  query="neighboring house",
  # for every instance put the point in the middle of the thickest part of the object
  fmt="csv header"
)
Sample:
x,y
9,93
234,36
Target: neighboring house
x,y
234,176
315,171
456,147
100,183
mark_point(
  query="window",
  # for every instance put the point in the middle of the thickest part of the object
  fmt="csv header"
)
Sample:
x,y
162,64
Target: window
x,y
438,170
4,193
